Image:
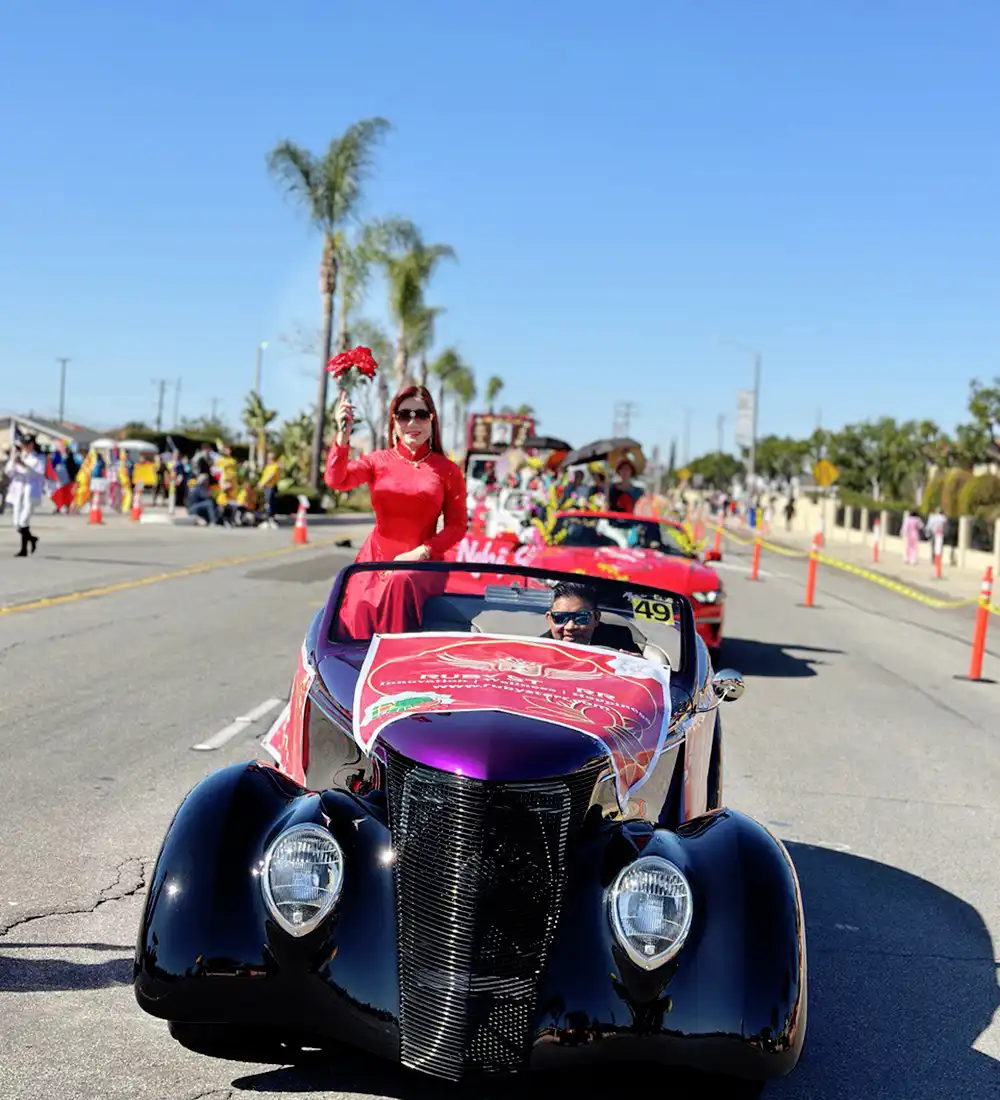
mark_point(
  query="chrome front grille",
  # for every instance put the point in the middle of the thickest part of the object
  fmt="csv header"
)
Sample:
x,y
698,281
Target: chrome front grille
x,y
480,872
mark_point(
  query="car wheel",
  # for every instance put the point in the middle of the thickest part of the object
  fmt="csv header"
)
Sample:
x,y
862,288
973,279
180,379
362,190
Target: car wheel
x,y
239,1044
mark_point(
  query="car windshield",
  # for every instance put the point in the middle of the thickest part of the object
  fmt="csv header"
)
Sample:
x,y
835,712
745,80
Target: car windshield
x,y
624,533
451,597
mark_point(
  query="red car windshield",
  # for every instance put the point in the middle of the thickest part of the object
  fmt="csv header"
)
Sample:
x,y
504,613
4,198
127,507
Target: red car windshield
x,y
626,534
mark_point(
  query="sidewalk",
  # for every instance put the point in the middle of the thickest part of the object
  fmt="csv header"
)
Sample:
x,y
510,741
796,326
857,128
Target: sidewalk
x,y
955,583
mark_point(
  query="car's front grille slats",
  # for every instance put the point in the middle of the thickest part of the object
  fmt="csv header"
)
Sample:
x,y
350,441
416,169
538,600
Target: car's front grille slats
x,y
480,871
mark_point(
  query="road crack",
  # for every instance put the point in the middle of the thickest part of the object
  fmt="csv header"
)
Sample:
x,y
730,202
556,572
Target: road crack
x,y
130,879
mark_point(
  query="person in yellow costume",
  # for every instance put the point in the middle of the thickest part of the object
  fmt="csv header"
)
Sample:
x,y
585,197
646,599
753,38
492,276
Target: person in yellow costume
x,y
227,466
268,485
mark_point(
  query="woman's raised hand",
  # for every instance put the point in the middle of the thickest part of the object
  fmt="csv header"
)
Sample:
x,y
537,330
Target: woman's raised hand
x,y
344,415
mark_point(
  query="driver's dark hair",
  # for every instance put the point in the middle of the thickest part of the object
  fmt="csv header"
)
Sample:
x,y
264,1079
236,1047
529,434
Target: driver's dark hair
x,y
571,588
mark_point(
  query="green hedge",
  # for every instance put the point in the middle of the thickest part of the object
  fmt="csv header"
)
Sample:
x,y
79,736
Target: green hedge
x,y
851,499
979,495
951,490
932,493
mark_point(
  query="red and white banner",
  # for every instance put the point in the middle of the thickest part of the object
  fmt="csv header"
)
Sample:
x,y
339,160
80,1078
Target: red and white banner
x,y
619,699
502,550
285,740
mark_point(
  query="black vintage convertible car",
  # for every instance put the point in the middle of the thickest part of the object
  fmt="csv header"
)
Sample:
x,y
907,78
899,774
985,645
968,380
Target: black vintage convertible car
x,y
477,849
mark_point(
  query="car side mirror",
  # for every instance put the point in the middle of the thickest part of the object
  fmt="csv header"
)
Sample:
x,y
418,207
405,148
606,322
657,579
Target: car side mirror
x,y
728,684
713,555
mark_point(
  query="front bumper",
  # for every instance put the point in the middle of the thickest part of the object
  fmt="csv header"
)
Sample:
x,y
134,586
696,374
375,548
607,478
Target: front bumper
x,y
732,1001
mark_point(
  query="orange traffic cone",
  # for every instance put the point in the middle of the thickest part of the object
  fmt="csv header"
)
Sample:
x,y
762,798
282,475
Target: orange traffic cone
x,y
136,513
95,515
301,533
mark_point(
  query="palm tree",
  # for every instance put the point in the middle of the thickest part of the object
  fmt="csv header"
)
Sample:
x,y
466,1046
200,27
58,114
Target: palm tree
x,y
421,338
329,188
444,368
256,419
409,264
493,387
462,385
356,260
296,447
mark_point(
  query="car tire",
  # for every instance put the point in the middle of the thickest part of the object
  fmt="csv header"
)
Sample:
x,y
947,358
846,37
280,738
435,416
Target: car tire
x,y
239,1044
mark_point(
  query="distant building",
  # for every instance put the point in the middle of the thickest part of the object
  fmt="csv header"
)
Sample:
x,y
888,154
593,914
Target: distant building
x,y
47,432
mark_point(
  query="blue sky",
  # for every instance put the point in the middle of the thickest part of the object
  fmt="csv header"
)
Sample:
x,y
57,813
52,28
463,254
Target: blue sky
x,y
625,186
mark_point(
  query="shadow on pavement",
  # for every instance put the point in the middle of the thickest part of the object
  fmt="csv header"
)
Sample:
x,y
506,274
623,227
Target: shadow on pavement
x,y
30,975
752,657
902,980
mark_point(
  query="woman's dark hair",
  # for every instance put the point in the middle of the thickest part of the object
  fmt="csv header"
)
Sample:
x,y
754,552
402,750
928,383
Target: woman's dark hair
x,y
570,588
423,394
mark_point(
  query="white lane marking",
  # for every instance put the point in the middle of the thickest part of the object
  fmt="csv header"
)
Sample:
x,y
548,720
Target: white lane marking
x,y
262,711
227,733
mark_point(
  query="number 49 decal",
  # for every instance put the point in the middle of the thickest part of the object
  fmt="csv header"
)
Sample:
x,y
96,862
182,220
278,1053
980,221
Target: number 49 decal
x,y
656,610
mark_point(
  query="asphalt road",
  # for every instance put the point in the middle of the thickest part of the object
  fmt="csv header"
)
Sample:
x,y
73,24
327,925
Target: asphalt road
x,y
854,743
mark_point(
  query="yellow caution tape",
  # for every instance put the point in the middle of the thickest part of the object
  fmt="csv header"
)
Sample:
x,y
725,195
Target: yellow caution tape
x,y
868,574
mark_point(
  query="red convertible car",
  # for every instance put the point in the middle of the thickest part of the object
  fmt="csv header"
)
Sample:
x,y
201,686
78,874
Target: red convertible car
x,y
621,546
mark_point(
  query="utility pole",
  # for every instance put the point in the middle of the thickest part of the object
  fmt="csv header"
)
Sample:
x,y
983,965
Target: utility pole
x,y
177,403
721,426
257,373
162,383
215,408
752,473
624,411
62,388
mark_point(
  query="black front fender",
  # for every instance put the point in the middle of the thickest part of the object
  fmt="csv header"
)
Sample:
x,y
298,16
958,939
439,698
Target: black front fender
x,y
208,950
732,1001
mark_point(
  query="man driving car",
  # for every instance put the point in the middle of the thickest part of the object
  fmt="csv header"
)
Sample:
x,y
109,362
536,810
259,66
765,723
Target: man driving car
x,y
575,617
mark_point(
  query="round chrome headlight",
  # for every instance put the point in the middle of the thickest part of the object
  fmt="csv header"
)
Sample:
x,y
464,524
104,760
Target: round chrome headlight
x,y
651,910
302,877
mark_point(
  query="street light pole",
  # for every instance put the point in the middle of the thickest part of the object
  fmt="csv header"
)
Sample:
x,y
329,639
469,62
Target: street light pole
x,y
752,458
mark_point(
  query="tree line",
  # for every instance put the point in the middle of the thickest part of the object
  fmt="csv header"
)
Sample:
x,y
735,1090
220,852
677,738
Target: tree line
x,y
886,463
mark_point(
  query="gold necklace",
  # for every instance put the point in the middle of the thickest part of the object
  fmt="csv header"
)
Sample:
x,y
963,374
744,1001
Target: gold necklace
x,y
412,461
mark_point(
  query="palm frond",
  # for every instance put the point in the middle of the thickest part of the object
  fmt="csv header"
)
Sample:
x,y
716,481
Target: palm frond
x,y
345,167
300,175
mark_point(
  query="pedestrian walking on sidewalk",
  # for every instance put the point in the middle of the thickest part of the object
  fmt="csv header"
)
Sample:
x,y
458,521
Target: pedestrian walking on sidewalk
x,y
26,470
912,529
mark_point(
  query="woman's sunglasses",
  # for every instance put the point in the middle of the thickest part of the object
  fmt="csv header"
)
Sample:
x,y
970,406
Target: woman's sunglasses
x,y
405,415
561,618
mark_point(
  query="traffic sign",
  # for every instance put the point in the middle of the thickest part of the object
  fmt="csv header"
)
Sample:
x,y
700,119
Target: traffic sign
x,y
684,475
825,473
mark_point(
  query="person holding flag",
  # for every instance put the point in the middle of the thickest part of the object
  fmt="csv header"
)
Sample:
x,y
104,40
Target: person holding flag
x,y
26,470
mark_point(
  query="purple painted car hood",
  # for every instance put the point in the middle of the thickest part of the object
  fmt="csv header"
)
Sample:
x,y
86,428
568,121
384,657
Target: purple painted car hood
x,y
480,744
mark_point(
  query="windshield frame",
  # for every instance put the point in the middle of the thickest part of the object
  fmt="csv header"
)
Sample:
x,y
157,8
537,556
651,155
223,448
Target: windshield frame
x,y
623,518
325,636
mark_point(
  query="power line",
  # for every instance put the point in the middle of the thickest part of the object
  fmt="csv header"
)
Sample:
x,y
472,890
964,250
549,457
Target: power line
x,y
624,411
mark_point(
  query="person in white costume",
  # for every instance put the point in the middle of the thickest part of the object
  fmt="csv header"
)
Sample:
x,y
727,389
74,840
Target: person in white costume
x,y
26,470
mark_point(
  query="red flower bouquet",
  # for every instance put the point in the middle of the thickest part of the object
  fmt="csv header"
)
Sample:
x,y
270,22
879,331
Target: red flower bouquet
x,y
360,357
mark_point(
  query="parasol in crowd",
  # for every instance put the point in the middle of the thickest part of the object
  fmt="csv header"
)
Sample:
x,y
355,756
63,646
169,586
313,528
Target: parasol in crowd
x,y
602,449
545,443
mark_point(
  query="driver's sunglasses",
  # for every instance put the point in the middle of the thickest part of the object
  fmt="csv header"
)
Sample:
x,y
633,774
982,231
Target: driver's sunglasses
x,y
561,618
405,415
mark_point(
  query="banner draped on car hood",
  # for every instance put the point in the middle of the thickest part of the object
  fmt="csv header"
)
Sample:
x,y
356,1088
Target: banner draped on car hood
x,y
619,699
